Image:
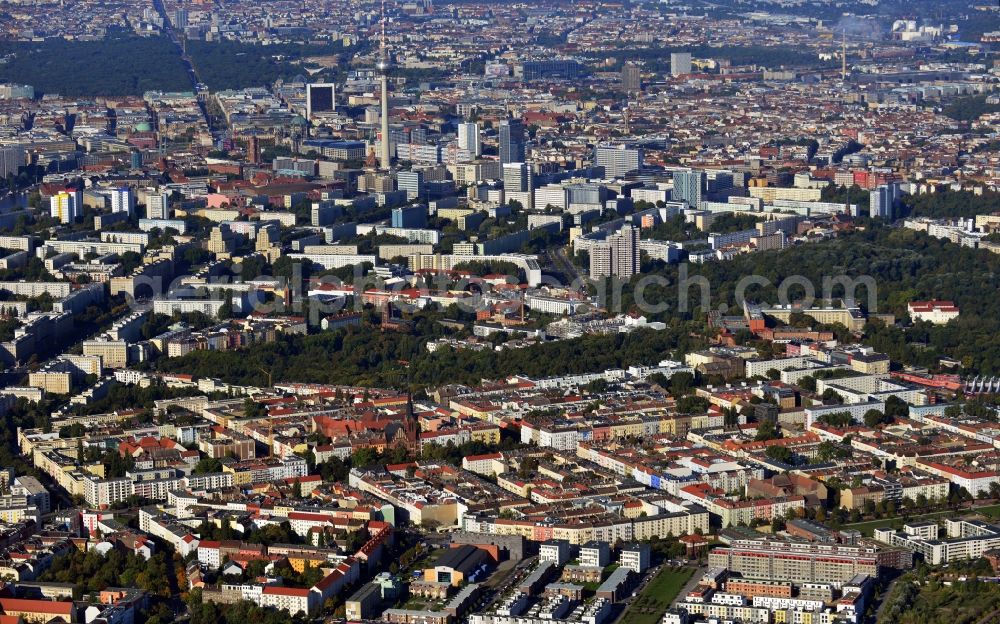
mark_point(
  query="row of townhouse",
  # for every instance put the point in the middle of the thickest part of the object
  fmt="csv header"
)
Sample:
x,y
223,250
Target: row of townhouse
x,y
153,484
189,505
734,512
253,471
722,473
566,435
294,600
486,433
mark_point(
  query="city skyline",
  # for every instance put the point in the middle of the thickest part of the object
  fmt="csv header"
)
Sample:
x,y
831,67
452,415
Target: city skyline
x,y
500,313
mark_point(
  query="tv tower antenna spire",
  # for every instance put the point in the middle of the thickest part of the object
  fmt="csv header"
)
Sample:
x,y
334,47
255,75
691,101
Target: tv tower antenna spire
x,y
384,67
382,38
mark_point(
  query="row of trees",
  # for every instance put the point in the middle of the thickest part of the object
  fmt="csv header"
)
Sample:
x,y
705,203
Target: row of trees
x,y
235,65
952,204
916,600
903,266
970,108
242,612
364,355
89,571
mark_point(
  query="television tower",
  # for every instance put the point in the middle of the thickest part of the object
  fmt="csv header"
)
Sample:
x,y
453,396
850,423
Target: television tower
x,y
384,66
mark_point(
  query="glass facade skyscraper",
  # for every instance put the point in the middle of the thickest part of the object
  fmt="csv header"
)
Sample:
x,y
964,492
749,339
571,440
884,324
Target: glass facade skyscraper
x,y
511,141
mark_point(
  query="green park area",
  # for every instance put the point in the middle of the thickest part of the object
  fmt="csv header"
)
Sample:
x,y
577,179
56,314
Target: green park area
x,y
125,64
119,64
867,528
656,597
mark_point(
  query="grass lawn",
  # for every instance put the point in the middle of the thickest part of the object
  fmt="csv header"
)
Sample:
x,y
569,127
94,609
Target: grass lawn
x,y
428,559
415,603
649,606
992,511
868,527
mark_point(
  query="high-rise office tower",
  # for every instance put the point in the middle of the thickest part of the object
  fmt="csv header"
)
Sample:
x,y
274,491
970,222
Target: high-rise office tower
x,y
409,217
719,181
398,136
689,186
418,136
66,205
468,138
616,255
323,213
884,200
413,183
552,69
631,78
157,206
11,160
680,63
320,98
122,200
618,160
511,141
517,177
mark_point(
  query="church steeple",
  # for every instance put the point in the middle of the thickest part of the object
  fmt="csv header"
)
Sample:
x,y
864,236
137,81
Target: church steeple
x,y
410,423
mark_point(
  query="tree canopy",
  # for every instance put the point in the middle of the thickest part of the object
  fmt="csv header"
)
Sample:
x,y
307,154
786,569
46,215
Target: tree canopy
x,y
119,64
366,356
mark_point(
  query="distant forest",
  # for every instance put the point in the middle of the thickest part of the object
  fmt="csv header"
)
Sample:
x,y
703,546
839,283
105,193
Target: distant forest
x,y
125,64
233,65
970,108
120,64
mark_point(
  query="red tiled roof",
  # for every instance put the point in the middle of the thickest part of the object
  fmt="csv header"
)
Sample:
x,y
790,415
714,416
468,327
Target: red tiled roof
x,y
286,591
22,605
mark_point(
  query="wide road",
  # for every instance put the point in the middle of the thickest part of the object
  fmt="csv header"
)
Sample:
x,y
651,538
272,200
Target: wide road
x,y
168,29
565,266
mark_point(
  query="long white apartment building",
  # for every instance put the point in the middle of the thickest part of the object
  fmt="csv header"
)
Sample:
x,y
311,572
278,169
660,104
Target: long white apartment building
x,y
964,539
